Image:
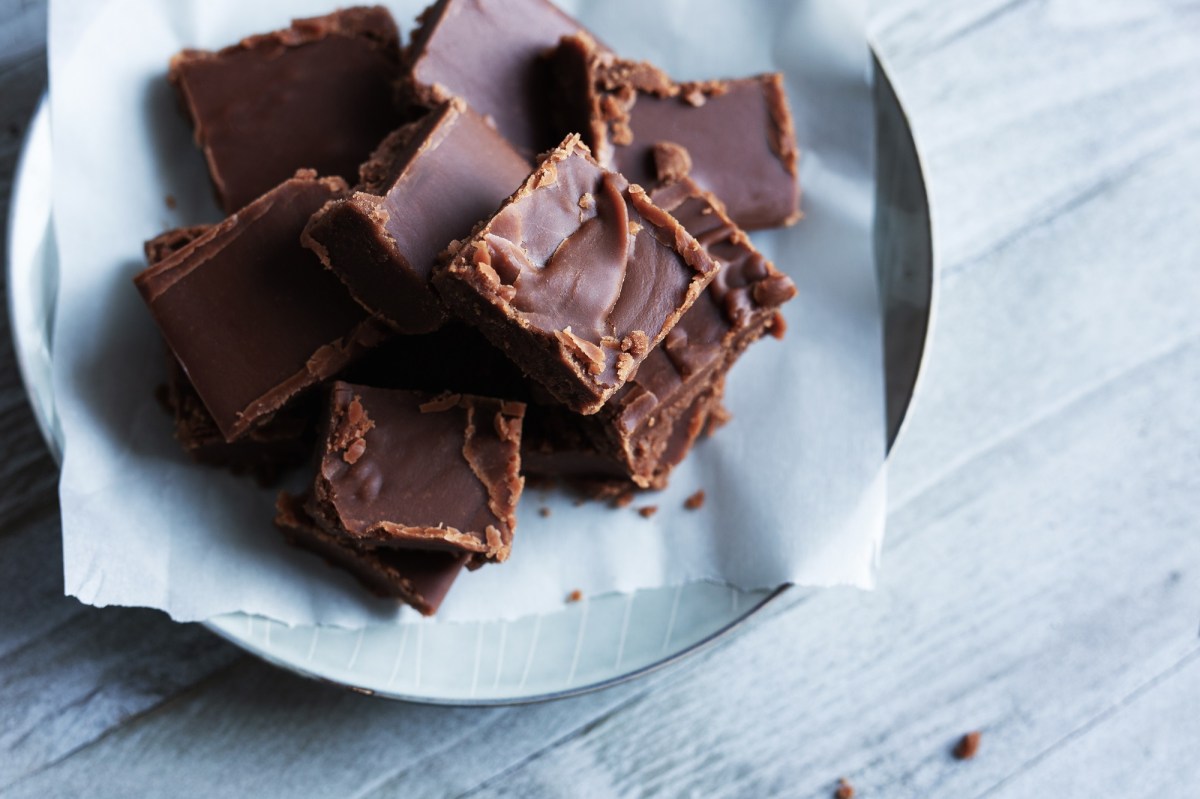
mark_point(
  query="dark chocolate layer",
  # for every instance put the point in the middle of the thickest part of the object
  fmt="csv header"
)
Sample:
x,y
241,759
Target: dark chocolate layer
x,y
253,317
400,469
421,578
577,277
454,358
451,171
318,95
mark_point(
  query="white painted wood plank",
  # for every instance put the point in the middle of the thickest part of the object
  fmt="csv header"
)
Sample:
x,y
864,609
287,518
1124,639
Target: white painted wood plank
x,y
1074,302
29,477
22,30
93,672
1070,112
260,732
1146,747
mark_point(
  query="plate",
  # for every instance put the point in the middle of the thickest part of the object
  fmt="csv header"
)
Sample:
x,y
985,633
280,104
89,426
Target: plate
x,y
587,645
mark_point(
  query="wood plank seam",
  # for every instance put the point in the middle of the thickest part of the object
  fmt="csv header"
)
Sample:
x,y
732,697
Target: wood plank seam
x,y
1047,412
1100,718
137,717
571,735
1073,200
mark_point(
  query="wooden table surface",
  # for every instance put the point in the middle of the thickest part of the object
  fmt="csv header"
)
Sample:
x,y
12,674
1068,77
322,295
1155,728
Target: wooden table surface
x,y
1041,578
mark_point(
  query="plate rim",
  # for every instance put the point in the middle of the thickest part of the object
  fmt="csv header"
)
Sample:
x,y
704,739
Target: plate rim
x,y
223,626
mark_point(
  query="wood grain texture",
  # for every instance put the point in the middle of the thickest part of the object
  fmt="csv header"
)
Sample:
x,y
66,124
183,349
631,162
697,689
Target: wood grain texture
x,y
1043,560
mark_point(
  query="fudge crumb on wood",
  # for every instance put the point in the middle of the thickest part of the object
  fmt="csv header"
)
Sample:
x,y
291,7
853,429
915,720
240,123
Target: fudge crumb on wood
x,y
967,746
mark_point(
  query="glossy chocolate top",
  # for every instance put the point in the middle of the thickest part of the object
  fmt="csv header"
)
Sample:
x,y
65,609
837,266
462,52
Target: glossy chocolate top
x,y
318,95
734,137
580,257
455,175
437,178
401,469
252,316
488,52
736,308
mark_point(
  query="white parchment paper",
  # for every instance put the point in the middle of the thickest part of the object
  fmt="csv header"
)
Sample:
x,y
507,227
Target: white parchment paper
x,y
795,484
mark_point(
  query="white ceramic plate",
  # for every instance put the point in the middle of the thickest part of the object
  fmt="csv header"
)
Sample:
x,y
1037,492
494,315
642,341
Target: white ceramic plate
x,y
584,646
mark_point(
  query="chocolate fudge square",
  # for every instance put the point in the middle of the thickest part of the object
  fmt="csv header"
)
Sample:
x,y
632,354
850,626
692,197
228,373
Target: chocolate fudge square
x,y
271,447
252,316
488,52
737,134
317,95
651,423
421,578
274,446
437,179
576,278
401,469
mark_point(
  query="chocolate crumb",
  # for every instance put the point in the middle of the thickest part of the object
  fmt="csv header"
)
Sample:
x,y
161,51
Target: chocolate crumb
x,y
778,326
695,501
623,500
544,512
844,790
575,596
170,201
646,511
967,746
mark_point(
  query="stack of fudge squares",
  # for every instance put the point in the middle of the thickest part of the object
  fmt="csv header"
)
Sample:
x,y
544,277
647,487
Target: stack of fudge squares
x,y
499,251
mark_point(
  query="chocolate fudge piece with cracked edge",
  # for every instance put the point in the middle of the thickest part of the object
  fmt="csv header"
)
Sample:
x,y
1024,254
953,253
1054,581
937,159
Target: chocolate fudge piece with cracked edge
x,y
434,180
652,422
577,277
252,316
488,52
270,448
400,469
737,134
421,578
317,95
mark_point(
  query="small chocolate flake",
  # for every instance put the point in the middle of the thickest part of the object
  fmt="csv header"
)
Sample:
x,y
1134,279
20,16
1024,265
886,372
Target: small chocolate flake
x,y
544,512
623,500
170,201
575,596
438,404
844,789
695,501
967,746
355,451
778,326
646,511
